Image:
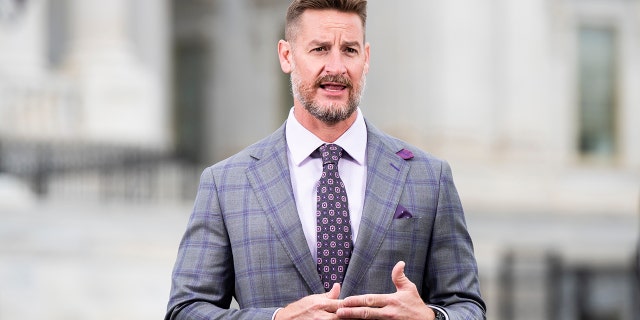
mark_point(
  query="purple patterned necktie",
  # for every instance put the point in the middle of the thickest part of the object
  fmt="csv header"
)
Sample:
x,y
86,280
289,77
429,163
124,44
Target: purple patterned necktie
x,y
333,223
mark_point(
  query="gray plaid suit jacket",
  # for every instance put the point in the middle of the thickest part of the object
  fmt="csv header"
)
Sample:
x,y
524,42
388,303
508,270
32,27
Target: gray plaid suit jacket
x,y
244,238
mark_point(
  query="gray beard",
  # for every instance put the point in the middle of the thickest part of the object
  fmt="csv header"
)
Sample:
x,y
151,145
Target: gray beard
x,y
329,114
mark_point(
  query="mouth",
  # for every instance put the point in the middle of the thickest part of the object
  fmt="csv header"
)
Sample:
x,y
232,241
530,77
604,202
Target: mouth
x,y
331,86
333,83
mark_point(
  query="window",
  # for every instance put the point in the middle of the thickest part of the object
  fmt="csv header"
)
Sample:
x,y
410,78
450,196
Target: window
x,y
58,32
597,93
189,83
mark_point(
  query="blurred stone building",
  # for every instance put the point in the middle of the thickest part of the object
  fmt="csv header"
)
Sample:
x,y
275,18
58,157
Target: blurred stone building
x,y
535,103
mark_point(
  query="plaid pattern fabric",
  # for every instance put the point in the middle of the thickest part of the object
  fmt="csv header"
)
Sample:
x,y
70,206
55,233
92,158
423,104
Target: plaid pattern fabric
x,y
244,237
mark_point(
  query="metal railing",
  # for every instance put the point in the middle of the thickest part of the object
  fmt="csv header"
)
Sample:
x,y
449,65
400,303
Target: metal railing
x,y
98,171
541,285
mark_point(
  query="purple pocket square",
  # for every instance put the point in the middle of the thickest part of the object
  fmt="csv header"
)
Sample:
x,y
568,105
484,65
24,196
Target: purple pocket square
x,y
402,213
405,154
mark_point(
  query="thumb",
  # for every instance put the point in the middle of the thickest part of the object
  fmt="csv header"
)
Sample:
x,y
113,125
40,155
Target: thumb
x,y
399,279
334,293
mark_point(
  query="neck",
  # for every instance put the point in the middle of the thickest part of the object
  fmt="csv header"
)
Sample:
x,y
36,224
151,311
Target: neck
x,y
326,132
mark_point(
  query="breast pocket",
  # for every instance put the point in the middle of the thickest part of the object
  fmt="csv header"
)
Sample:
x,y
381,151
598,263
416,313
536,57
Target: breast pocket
x,y
405,225
408,240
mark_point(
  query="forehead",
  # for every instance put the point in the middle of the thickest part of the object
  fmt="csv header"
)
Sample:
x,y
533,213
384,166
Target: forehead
x,y
326,23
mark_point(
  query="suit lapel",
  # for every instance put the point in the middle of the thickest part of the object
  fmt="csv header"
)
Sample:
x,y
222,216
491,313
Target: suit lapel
x,y
271,182
386,177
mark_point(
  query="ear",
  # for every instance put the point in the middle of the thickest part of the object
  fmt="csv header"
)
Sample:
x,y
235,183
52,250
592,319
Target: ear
x,y
285,55
367,49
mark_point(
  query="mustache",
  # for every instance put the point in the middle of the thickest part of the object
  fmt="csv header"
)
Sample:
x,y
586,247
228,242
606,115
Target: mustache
x,y
334,78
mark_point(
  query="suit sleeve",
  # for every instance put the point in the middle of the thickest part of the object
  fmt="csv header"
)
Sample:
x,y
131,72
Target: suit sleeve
x,y
451,281
203,275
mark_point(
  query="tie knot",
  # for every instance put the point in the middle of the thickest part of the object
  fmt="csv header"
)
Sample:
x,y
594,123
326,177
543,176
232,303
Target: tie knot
x,y
331,153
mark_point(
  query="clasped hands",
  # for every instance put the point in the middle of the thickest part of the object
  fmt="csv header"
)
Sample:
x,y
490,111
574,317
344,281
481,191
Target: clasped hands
x,y
406,303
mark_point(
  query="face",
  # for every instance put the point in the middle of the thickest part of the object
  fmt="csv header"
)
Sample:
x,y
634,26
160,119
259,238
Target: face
x,y
328,62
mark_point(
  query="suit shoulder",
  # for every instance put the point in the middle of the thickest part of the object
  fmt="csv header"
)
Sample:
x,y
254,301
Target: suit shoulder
x,y
248,156
409,151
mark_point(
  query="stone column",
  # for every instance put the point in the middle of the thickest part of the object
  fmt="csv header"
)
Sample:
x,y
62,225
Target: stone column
x,y
232,78
630,100
431,77
245,101
400,92
528,119
22,61
22,31
464,71
121,97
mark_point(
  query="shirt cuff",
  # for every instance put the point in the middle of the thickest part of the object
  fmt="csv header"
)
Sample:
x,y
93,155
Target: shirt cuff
x,y
446,316
273,317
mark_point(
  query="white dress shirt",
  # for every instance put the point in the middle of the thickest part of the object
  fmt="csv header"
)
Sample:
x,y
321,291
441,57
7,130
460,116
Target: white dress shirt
x,y
306,170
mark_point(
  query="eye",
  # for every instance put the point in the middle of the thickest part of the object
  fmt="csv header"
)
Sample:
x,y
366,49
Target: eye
x,y
319,49
351,50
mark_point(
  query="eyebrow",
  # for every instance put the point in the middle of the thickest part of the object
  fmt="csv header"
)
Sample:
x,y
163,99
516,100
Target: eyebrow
x,y
315,43
351,44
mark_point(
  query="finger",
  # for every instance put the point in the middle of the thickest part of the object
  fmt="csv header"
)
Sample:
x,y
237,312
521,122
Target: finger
x,y
358,313
399,279
334,293
332,304
366,300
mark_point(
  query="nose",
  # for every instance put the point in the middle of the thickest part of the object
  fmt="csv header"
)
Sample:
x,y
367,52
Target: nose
x,y
335,63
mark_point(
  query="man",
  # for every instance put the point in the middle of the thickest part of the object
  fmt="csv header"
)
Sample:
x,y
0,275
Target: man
x,y
272,226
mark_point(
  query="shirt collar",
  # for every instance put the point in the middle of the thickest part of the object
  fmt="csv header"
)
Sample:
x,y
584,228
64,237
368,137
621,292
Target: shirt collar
x,y
301,142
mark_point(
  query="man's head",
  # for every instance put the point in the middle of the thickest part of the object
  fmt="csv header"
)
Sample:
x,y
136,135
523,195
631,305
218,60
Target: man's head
x,y
327,57
297,7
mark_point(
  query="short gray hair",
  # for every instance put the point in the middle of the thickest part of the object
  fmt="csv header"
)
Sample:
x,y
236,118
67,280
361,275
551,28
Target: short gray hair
x,y
298,7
